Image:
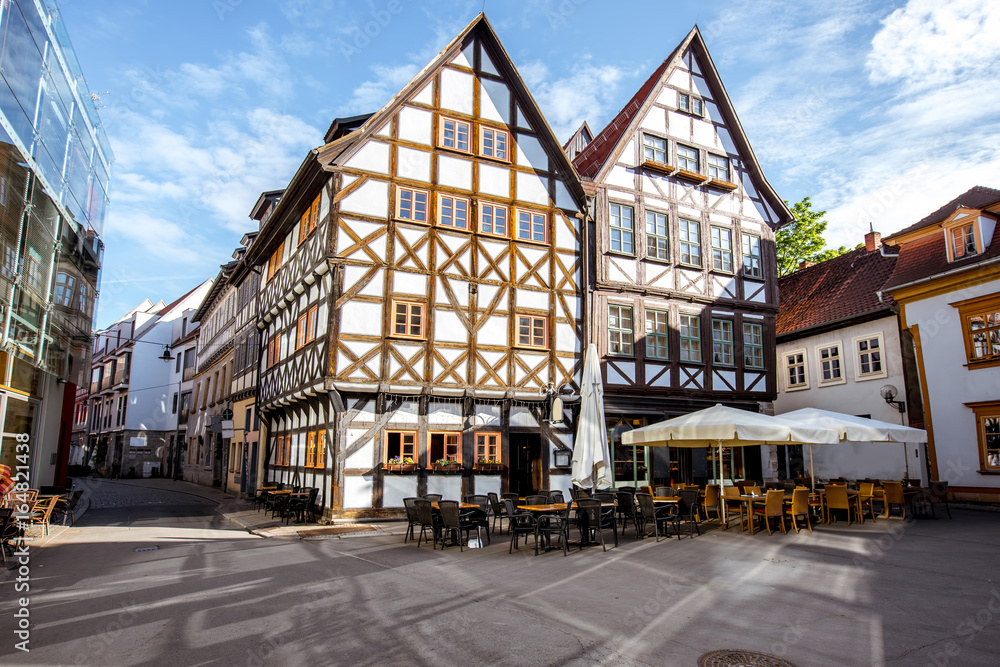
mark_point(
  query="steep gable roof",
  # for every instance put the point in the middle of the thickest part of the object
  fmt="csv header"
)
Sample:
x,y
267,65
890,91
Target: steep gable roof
x,y
582,131
341,149
927,257
835,291
595,160
592,159
978,197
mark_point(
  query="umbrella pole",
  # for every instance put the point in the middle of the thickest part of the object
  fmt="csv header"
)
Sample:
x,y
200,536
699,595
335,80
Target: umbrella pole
x,y
812,473
725,518
906,462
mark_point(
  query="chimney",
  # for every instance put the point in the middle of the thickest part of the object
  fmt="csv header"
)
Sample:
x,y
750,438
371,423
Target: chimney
x,y
805,264
873,240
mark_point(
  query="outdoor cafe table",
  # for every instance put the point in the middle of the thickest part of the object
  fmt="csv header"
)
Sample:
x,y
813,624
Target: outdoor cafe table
x,y
553,508
461,506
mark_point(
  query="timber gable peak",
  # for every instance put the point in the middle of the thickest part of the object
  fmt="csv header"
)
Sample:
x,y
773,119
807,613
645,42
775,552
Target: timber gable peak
x,y
494,66
456,236
596,162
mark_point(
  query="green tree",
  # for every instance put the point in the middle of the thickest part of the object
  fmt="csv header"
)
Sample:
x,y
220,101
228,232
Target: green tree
x,y
803,239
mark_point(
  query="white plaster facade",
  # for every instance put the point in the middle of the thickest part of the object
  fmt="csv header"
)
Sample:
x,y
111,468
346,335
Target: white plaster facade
x,y
855,393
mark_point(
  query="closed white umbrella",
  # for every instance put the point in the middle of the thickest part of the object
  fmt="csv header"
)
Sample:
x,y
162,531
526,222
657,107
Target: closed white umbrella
x,y
591,458
727,427
857,429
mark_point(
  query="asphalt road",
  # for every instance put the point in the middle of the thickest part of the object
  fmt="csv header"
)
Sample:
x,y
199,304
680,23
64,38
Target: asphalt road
x,y
892,593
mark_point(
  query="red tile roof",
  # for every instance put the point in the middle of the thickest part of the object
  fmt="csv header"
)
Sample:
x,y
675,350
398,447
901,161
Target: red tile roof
x,y
173,304
978,197
927,257
836,290
592,158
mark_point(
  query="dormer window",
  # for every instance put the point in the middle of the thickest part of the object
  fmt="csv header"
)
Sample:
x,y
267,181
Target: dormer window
x,y
968,232
963,241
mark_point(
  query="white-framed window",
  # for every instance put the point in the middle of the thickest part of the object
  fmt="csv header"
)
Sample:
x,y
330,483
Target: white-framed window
x,y
690,104
830,365
868,355
494,143
620,332
454,134
657,238
411,204
690,237
718,167
691,338
493,219
753,345
657,332
531,226
622,228
722,249
752,266
795,370
654,149
453,211
722,342
687,159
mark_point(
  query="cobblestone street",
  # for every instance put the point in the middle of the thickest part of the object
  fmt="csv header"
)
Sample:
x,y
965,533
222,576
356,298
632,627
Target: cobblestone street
x,y
115,494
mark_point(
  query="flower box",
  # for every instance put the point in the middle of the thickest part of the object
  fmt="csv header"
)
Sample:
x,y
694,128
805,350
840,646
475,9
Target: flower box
x,y
400,467
488,467
451,467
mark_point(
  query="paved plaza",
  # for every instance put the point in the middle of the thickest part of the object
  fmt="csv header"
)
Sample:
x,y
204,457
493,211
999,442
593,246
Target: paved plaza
x,y
890,593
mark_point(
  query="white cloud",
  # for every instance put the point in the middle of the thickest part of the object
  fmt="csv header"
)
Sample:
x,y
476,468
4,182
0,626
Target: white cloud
x,y
927,43
590,93
372,95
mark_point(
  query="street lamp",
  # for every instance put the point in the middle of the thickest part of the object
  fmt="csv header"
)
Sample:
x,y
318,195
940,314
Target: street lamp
x,y
888,392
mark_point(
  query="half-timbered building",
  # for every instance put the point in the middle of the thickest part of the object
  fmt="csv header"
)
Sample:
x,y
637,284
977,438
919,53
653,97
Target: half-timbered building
x,y
684,264
422,294
211,403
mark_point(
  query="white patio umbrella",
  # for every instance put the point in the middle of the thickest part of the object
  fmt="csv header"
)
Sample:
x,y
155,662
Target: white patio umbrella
x,y
727,427
591,458
856,429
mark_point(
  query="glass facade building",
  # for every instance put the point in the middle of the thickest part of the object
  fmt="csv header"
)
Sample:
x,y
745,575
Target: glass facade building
x,y
55,165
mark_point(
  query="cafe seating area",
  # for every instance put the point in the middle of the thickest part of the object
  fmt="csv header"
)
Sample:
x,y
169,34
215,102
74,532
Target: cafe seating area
x,y
286,502
545,521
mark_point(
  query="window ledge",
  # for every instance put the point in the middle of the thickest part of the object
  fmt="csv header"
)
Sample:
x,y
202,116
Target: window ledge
x,y
722,185
498,160
873,376
660,167
790,389
691,176
722,272
620,253
985,363
988,472
657,260
833,383
685,265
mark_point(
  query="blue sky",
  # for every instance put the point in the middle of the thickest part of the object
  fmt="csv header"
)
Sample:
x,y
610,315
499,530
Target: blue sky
x,y
879,111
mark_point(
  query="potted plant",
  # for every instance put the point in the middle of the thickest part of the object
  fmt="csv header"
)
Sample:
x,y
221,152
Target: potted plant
x,y
401,464
488,465
447,465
